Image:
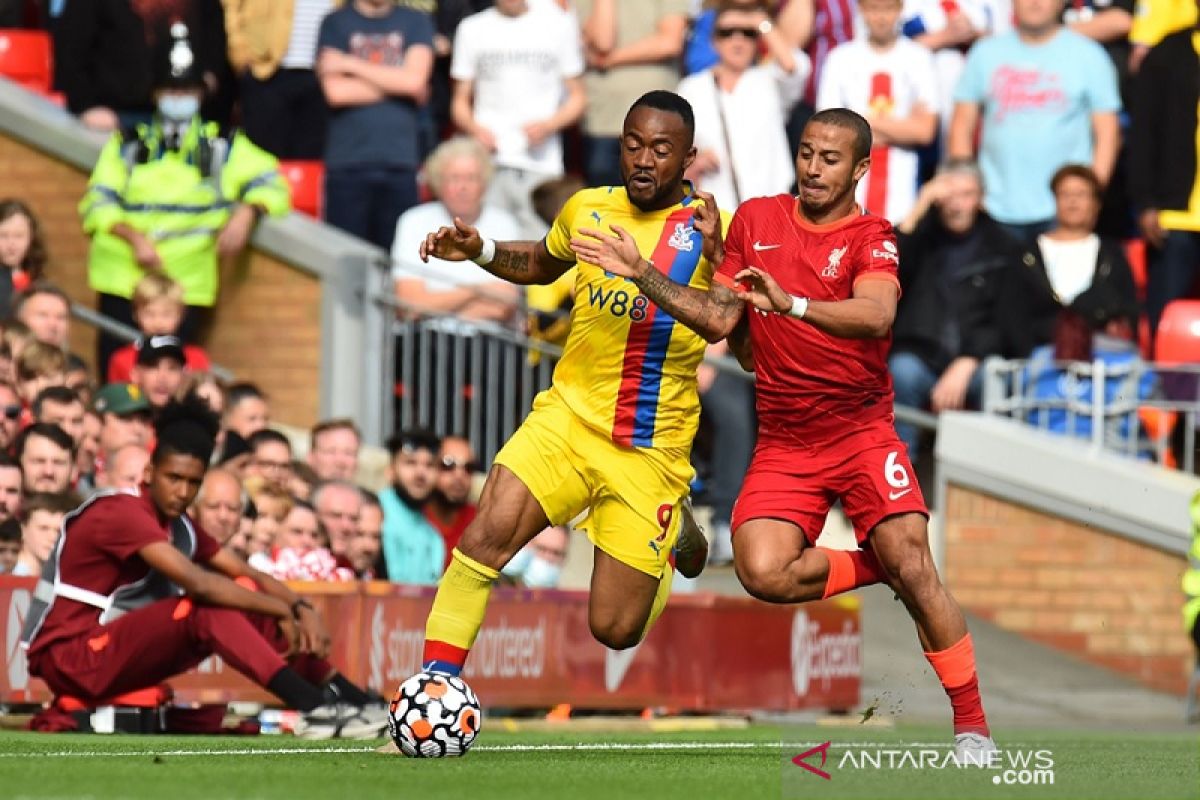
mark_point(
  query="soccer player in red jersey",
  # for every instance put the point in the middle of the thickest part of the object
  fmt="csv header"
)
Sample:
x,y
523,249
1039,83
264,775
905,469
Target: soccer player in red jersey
x,y
135,592
813,283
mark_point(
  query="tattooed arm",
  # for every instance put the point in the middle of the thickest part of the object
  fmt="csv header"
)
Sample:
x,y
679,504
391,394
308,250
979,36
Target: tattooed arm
x,y
712,313
516,262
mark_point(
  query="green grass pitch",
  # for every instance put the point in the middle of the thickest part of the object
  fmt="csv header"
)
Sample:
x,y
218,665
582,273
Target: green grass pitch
x,y
736,764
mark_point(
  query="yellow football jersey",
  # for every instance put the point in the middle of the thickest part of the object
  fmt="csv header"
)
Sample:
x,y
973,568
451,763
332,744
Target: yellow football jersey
x,y
629,369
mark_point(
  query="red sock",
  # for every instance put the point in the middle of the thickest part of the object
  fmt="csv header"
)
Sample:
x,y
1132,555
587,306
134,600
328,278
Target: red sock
x,y
955,668
444,658
849,569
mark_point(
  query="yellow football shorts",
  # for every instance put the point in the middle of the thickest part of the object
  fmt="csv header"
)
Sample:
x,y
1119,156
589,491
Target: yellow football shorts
x,y
634,494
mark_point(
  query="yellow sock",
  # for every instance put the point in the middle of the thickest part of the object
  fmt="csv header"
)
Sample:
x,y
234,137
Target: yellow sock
x,y
660,599
457,613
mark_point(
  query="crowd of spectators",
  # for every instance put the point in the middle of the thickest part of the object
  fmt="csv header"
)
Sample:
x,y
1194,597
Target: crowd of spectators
x,y
63,442
1019,146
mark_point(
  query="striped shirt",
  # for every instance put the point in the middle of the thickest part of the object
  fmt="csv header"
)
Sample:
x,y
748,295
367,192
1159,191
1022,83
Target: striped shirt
x,y
833,23
306,22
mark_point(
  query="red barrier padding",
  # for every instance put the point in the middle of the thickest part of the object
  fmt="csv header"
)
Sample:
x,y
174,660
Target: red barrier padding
x,y
707,653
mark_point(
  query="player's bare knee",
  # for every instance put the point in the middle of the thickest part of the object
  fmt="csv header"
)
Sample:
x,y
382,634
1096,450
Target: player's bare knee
x,y
914,574
616,634
485,543
760,583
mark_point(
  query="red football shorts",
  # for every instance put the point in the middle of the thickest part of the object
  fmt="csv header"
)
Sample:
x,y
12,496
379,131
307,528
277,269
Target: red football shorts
x,y
868,471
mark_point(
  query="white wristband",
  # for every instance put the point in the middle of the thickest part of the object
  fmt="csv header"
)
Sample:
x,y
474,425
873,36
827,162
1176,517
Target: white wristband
x,y
487,253
799,307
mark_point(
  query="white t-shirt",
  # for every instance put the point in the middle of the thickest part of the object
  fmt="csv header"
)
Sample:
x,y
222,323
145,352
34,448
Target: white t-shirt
x,y
755,116
1070,265
856,75
518,65
440,275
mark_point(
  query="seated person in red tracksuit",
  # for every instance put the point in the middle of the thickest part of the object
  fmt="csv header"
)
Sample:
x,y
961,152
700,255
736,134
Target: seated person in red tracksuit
x,y
136,592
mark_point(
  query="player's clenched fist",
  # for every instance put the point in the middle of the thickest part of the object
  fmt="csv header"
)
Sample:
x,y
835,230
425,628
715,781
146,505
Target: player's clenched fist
x,y
762,291
458,243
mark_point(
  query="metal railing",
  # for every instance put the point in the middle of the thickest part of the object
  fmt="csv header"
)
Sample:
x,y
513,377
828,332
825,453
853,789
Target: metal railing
x,y
126,333
1132,408
479,378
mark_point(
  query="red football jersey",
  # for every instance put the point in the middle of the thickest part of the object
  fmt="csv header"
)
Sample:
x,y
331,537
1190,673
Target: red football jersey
x,y
101,553
812,387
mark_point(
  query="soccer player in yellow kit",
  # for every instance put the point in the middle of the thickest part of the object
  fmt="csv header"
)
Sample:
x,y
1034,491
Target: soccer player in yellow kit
x,y
613,433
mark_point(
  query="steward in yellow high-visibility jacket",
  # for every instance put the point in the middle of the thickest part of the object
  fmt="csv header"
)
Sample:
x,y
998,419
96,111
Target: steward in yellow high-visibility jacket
x,y
175,194
1191,609
178,188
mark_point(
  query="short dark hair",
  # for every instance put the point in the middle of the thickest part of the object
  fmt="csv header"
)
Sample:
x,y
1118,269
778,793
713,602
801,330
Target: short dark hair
x,y
662,100
47,430
266,435
10,530
54,502
549,196
369,498
845,118
242,391
337,424
414,439
1084,173
58,395
186,427
40,287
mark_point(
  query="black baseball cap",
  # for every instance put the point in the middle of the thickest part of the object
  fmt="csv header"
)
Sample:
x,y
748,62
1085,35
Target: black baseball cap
x,y
152,349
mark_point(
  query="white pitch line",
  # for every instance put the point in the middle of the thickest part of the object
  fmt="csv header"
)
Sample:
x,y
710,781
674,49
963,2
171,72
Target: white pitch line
x,y
501,748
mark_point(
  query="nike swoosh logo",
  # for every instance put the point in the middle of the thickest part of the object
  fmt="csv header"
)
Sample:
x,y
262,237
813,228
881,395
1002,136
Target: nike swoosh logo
x,y
759,246
898,495
616,664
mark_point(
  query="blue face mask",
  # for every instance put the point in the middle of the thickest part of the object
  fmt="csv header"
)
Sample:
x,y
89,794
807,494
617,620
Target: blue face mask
x,y
178,107
541,574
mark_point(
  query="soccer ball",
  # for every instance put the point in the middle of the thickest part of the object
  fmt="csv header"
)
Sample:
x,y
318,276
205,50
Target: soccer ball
x,y
434,716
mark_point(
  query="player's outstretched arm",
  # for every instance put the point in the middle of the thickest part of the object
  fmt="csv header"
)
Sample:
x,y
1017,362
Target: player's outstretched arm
x,y
516,262
712,313
868,314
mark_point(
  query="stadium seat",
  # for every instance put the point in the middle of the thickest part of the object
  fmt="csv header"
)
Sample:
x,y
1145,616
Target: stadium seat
x,y
26,58
307,180
1135,254
1178,338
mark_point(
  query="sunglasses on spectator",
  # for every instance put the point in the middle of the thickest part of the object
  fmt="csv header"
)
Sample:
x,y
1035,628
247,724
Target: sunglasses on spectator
x,y
725,33
451,464
12,412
